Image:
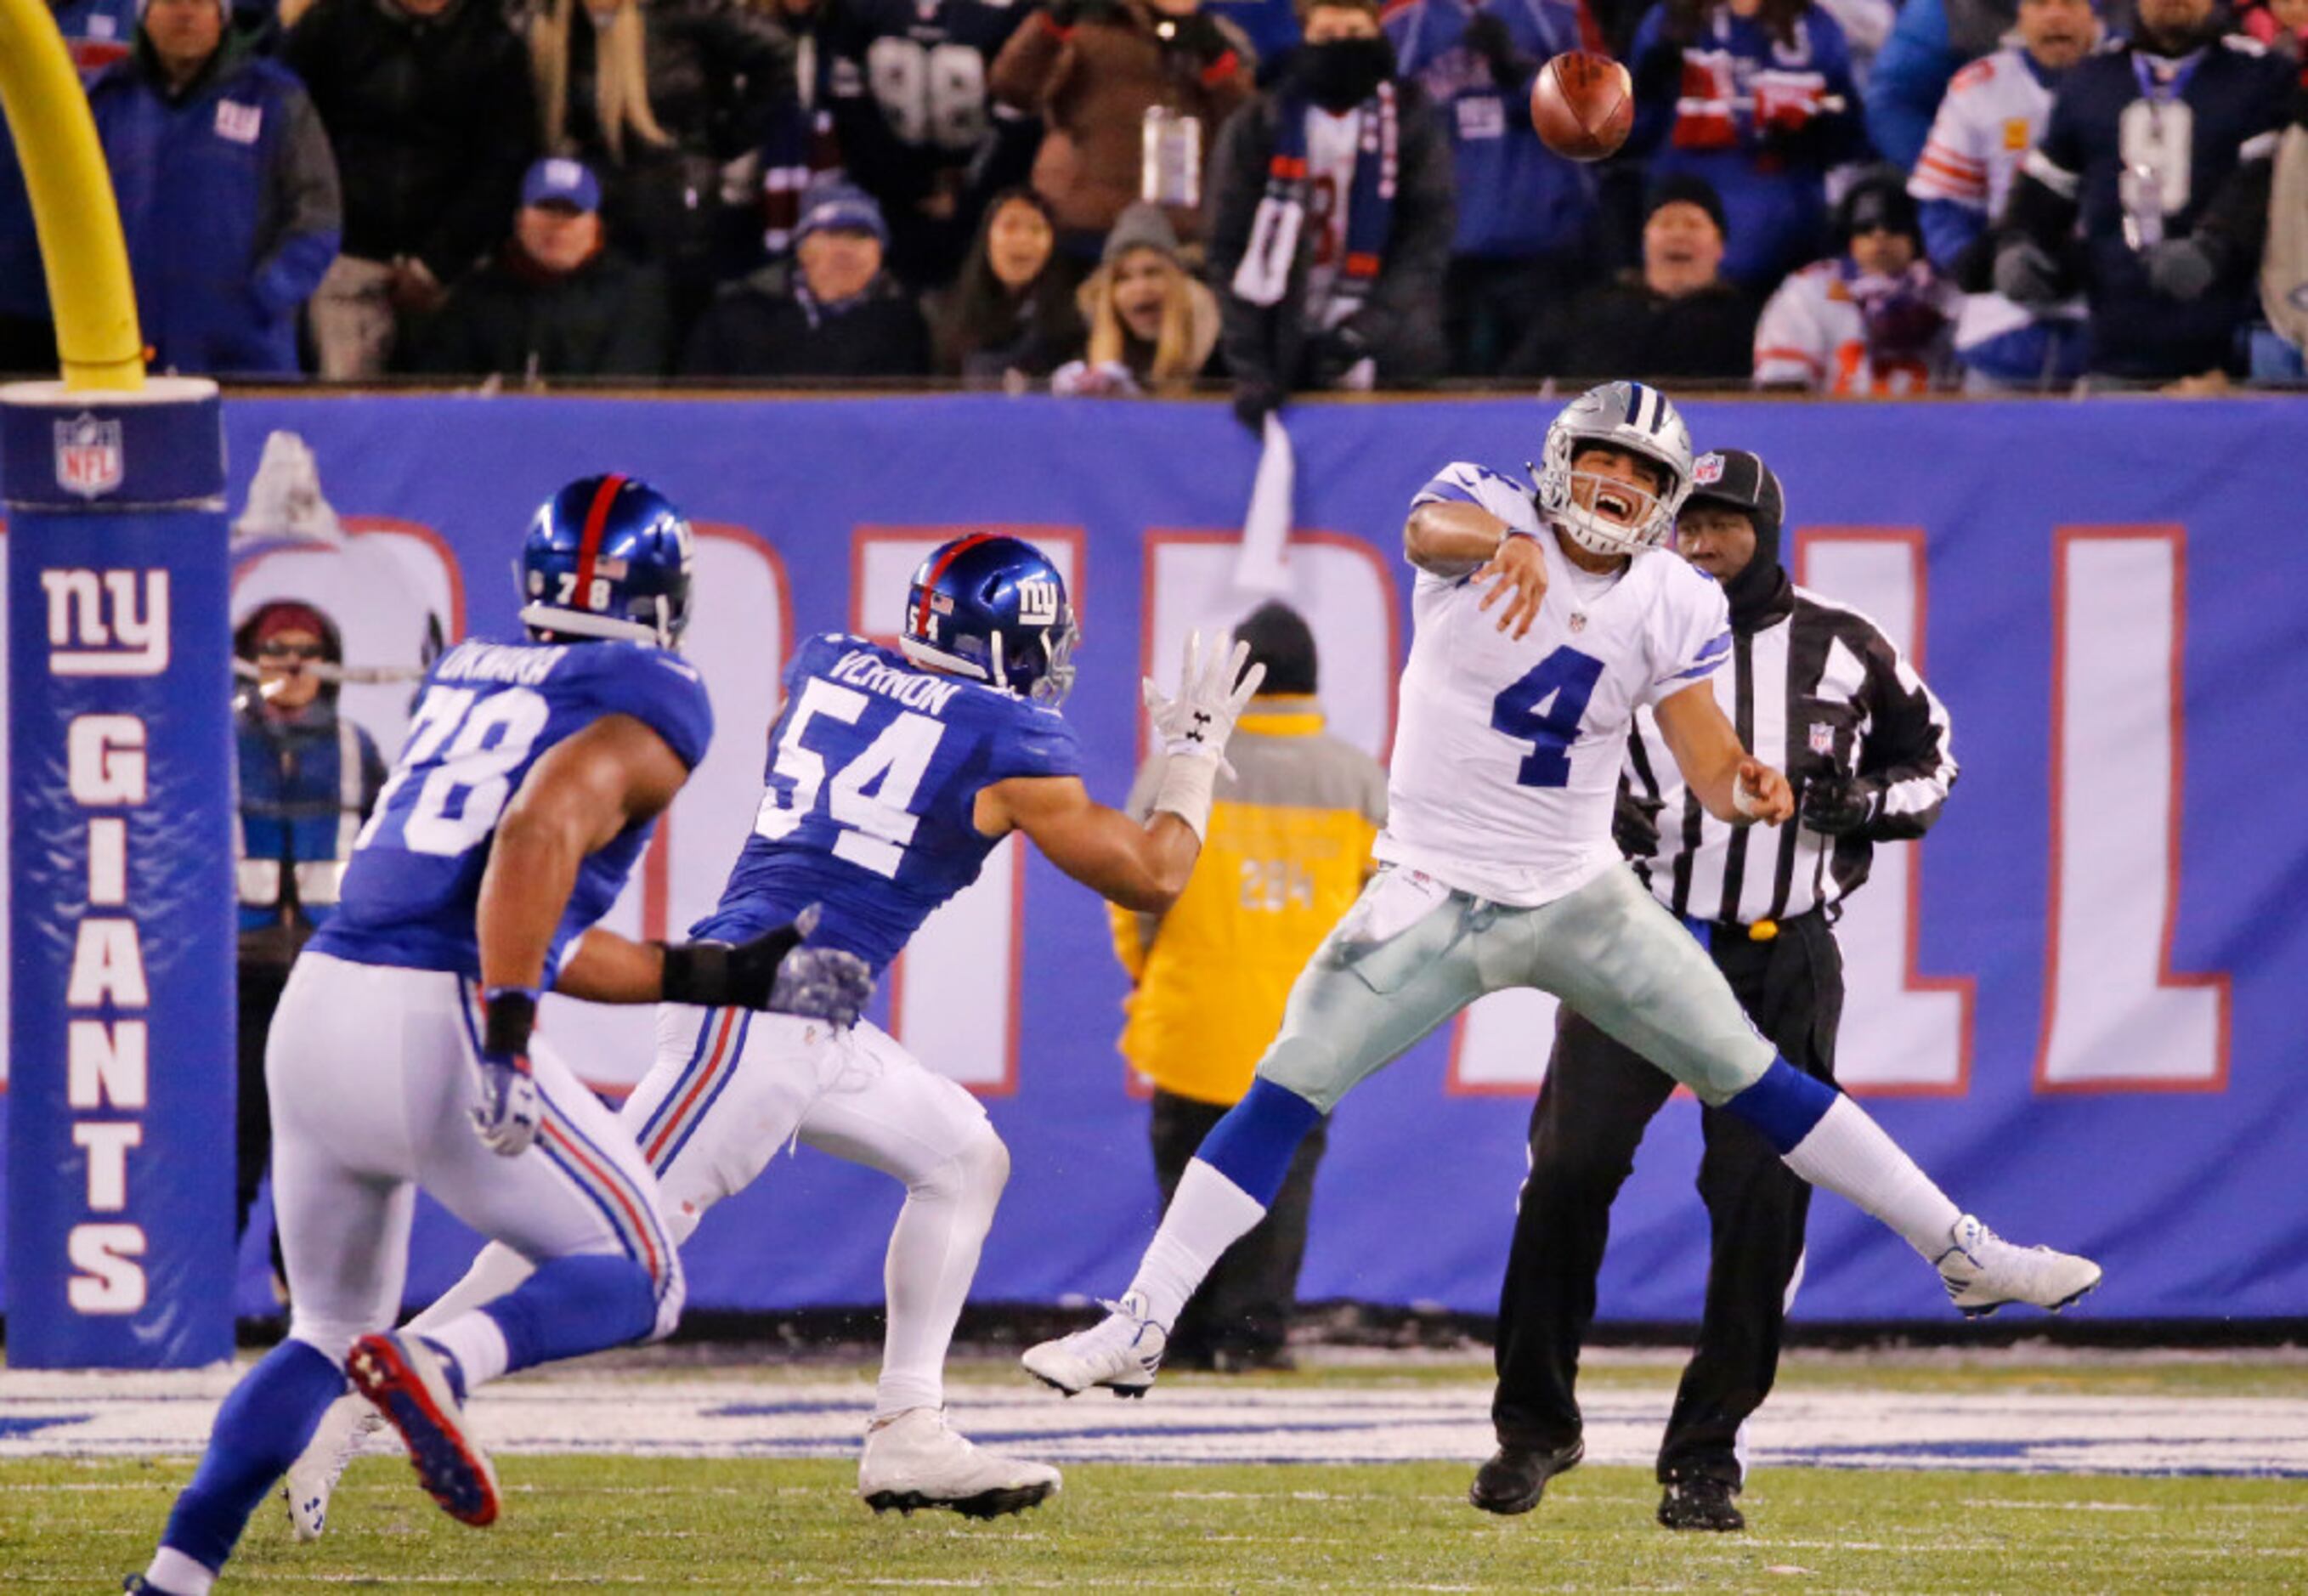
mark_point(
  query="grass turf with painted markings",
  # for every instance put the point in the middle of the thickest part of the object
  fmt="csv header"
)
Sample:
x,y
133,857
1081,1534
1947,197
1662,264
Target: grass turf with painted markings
x,y
668,1524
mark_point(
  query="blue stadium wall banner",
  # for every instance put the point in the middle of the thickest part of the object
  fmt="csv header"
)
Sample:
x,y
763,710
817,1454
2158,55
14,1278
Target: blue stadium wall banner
x,y
2076,1002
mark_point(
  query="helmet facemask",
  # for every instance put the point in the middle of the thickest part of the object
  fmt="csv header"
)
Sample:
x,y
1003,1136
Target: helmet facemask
x,y
1634,420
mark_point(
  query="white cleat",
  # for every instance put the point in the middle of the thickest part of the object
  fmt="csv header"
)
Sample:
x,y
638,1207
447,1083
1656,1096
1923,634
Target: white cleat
x,y
1983,1272
1120,1352
345,1428
916,1460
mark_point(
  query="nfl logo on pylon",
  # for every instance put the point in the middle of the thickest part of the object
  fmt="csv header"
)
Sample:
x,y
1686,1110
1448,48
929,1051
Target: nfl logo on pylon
x,y
88,460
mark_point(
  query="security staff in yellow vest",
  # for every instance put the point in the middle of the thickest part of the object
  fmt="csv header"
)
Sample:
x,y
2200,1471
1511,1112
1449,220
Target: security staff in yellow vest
x,y
1288,848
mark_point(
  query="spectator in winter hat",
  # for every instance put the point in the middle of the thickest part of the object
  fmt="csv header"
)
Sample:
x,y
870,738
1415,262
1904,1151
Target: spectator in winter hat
x,y
1152,326
832,311
1674,317
557,301
1875,319
227,191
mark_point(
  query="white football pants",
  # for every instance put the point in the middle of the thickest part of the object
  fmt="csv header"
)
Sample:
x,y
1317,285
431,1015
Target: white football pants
x,y
730,1087
371,1074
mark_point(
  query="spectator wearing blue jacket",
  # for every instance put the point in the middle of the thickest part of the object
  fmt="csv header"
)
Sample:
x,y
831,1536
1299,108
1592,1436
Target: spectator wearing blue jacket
x,y
227,191
96,33
1932,41
1756,97
1525,213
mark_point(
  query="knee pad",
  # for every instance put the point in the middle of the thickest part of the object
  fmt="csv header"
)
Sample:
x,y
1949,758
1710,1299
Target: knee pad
x,y
1305,1067
985,1160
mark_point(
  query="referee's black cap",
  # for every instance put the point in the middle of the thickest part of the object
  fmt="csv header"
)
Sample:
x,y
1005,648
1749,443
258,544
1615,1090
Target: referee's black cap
x,y
1741,481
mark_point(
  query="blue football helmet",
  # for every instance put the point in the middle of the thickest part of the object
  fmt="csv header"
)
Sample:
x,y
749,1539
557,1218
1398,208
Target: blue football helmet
x,y
607,557
994,609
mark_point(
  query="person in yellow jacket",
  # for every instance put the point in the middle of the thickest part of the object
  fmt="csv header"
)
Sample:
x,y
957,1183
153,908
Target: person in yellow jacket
x,y
1289,849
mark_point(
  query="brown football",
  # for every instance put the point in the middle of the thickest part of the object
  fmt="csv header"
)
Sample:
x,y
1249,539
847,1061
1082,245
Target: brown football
x,y
1583,105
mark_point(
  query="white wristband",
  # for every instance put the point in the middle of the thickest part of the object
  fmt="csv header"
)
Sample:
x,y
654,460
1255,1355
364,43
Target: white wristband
x,y
1184,791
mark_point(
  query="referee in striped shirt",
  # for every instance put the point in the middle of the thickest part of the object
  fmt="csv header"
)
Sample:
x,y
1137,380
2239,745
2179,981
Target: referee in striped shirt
x,y
1816,688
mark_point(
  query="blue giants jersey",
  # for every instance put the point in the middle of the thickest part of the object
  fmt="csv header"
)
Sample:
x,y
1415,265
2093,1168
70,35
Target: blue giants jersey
x,y
875,769
488,713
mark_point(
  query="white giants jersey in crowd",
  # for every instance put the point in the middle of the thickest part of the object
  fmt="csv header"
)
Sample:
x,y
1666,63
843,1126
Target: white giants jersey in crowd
x,y
1507,754
1994,114
1814,332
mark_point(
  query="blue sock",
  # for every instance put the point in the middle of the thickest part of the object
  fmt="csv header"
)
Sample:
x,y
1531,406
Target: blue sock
x,y
259,1431
1253,1145
574,1306
1784,1105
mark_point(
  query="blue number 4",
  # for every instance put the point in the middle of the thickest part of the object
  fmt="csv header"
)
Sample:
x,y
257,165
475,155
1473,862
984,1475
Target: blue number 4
x,y
1544,709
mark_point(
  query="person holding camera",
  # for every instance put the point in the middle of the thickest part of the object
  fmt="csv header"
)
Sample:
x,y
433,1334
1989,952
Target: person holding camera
x,y
1818,688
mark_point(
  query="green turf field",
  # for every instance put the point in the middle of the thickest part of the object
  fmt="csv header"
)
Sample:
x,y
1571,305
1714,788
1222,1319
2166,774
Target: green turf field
x,y
677,1524
684,1525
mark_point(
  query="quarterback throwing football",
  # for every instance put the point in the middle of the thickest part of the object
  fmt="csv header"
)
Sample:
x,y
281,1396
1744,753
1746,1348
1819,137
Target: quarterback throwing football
x,y
1542,625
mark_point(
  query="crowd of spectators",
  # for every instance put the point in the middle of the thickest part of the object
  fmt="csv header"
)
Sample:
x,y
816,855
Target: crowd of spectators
x,y
1117,198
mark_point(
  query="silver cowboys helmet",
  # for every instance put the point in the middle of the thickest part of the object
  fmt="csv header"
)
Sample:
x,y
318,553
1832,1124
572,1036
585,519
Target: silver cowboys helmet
x,y
1626,416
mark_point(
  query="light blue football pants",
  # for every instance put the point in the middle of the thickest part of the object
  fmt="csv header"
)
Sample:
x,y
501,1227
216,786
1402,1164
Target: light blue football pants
x,y
1411,954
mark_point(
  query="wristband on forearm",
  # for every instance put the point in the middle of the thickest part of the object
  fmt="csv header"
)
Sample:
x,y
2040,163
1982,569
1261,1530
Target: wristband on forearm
x,y
1184,791
508,1014
695,972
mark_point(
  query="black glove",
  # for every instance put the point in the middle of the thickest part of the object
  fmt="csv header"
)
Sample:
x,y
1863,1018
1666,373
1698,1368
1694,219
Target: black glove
x,y
1488,37
2026,275
1197,34
1973,269
741,975
2183,269
1330,356
1634,825
1255,399
1838,802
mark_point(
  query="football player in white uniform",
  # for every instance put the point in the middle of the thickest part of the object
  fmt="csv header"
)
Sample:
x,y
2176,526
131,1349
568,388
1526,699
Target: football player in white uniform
x,y
1542,625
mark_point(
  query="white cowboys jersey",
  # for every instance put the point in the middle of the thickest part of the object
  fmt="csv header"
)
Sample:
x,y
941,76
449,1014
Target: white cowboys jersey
x,y
1507,754
1994,113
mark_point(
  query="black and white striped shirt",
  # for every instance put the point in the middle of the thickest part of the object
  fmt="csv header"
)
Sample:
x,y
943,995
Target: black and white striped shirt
x,y
1818,687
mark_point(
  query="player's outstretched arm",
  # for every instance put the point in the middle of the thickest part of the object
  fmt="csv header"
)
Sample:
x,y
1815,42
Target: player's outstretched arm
x,y
1735,786
1142,868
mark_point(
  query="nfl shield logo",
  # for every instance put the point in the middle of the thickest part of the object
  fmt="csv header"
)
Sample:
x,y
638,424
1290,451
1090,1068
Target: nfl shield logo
x,y
88,460
1822,738
1708,468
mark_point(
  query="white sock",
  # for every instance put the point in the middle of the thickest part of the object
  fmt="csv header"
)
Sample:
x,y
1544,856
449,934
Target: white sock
x,y
172,1571
498,1270
1209,1215
925,1277
479,1346
1852,1156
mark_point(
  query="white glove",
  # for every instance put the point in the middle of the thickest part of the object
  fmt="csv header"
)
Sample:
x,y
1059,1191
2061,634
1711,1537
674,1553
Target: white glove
x,y
1212,694
507,1118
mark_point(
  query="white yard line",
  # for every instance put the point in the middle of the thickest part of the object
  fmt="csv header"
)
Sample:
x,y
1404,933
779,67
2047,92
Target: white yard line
x,y
709,1415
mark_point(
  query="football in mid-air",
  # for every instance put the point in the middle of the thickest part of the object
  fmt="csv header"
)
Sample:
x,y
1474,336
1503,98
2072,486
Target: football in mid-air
x,y
1583,105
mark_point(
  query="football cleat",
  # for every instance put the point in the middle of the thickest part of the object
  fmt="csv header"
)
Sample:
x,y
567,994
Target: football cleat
x,y
1983,1272
1120,1352
345,1428
1513,1477
1700,1503
404,1376
916,1460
